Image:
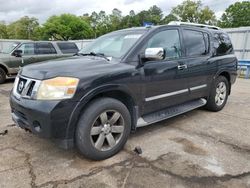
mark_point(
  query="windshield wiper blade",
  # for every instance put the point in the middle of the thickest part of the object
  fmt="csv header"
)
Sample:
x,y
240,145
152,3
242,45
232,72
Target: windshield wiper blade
x,y
94,54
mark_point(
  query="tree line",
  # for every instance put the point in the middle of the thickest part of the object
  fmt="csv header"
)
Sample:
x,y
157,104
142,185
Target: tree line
x,y
87,26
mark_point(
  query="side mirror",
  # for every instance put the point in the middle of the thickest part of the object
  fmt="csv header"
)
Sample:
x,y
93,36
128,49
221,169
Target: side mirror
x,y
17,53
155,53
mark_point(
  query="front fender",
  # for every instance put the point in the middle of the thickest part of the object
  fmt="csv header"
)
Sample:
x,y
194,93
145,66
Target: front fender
x,y
87,98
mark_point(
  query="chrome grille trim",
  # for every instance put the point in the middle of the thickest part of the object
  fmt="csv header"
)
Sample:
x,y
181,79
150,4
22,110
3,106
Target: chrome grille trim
x,y
26,88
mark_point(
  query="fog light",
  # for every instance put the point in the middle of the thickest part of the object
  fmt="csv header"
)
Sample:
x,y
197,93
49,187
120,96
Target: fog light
x,y
37,126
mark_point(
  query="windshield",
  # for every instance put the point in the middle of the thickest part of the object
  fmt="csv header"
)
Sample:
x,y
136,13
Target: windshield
x,y
8,47
114,44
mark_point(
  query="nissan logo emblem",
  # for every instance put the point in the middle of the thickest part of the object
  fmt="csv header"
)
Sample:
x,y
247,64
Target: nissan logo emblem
x,y
20,86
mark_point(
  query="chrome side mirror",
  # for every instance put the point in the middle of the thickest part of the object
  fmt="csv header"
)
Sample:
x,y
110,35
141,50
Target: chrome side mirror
x,y
155,53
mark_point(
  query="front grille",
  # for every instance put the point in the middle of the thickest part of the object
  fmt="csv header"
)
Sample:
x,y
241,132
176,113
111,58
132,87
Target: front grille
x,y
29,93
25,87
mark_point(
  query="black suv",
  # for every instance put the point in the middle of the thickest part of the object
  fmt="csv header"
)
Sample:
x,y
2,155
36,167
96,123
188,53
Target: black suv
x,y
124,80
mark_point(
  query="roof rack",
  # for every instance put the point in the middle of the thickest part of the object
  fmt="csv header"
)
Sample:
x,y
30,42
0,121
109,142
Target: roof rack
x,y
195,25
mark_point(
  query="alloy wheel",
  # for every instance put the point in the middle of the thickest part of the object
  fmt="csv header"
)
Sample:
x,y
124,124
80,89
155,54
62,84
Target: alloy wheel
x,y
221,93
107,130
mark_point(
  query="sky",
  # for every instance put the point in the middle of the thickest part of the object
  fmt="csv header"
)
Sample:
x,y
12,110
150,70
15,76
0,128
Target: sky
x,y
11,10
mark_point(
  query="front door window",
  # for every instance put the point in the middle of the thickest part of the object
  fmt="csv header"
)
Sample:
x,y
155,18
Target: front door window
x,y
27,49
169,40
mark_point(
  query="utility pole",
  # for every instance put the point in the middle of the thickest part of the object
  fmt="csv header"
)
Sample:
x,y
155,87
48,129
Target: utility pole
x,y
93,25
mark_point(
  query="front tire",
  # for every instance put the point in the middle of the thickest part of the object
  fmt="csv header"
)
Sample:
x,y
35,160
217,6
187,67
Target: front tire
x,y
218,94
103,129
2,76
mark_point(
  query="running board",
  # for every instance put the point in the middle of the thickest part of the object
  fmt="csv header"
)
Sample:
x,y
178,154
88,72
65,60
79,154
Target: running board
x,y
170,112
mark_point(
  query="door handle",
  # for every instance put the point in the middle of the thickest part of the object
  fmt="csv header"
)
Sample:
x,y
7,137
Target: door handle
x,y
182,67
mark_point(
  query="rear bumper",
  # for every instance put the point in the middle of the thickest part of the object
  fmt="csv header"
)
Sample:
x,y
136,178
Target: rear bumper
x,y
233,77
47,119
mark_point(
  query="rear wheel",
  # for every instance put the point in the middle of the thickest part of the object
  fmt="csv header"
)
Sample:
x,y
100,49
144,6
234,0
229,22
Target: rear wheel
x,y
103,129
2,76
218,95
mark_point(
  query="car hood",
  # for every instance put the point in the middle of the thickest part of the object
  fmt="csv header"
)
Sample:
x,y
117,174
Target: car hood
x,y
79,67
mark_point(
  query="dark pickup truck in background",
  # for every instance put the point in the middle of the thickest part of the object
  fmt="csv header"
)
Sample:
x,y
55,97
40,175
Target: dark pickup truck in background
x,y
124,80
20,54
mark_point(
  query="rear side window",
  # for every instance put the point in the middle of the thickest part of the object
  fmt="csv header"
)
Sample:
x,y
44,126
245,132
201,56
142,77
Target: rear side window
x,y
68,48
222,44
45,48
196,42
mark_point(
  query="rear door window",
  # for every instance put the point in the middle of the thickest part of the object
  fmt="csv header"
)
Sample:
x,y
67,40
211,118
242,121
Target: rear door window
x,y
207,42
45,48
68,48
195,43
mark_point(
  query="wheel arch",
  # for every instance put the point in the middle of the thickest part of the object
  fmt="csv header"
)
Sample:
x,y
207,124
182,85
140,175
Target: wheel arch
x,y
117,92
4,68
226,74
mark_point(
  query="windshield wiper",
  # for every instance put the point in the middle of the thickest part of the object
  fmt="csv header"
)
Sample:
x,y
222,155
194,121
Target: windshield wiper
x,y
94,54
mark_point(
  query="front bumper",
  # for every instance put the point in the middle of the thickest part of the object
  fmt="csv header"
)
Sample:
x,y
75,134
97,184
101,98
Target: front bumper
x,y
13,71
47,119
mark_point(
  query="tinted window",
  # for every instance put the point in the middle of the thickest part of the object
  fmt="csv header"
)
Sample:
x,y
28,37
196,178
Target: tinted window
x,y
27,49
169,40
223,44
207,42
68,48
45,48
194,42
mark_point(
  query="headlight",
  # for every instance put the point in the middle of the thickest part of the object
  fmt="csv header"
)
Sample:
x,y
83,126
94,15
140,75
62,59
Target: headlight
x,y
57,88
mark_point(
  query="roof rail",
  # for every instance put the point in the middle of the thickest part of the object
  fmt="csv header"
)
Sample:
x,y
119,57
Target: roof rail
x,y
195,25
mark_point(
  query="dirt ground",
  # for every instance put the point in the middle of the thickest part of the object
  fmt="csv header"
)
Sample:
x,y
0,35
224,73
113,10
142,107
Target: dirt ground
x,y
197,149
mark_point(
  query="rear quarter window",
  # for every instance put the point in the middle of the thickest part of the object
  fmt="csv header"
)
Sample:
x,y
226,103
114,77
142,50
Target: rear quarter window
x,y
68,48
222,44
